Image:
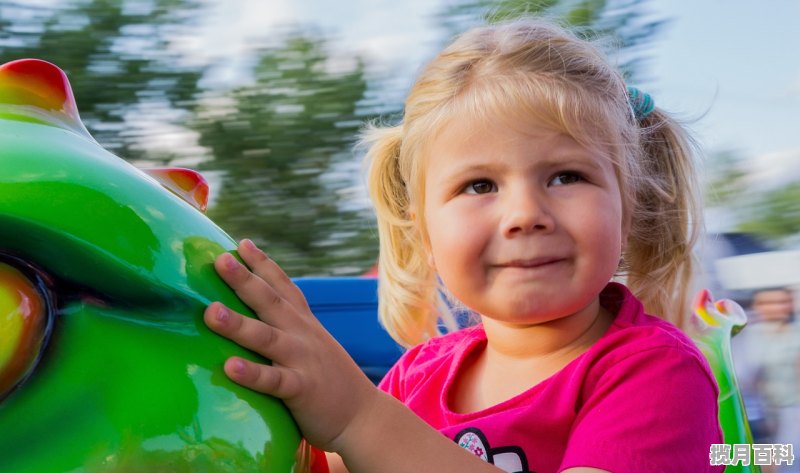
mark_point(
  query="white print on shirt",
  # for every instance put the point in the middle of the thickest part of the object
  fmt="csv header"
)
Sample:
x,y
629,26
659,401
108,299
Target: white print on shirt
x,y
509,459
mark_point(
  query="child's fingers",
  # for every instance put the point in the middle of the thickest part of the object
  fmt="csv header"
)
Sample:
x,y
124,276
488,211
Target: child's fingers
x,y
276,381
250,333
252,290
268,270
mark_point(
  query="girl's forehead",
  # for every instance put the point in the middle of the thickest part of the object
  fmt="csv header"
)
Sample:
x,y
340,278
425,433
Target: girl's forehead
x,y
516,122
469,133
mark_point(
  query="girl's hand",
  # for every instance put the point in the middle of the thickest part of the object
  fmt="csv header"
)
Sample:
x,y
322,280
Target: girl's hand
x,y
316,378
336,407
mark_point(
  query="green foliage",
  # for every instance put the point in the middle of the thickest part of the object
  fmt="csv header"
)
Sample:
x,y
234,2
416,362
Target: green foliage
x,y
727,179
775,214
115,54
283,144
772,214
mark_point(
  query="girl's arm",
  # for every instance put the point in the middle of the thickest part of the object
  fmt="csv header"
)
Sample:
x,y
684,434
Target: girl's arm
x,y
336,407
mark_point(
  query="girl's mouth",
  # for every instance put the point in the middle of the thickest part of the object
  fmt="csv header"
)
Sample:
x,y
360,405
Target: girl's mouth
x,y
532,262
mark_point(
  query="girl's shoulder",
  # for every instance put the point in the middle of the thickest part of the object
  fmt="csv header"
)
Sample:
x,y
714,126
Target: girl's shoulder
x,y
433,359
631,317
634,331
446,346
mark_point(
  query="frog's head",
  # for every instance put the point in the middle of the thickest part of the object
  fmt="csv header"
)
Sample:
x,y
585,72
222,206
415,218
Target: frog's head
x,y
105,270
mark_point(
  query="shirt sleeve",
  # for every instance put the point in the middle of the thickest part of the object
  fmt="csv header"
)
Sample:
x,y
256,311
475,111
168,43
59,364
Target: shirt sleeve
x,y
395,379
655,410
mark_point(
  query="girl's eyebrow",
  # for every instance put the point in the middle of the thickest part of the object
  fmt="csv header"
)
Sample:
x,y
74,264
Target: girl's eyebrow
x,y
472,167
458,171
569,160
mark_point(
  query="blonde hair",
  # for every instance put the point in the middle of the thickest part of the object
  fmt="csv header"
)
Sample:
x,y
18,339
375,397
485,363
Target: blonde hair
x,y
530,68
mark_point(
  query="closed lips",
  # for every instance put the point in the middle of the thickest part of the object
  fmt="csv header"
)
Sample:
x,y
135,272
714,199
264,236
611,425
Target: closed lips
x,y
531,263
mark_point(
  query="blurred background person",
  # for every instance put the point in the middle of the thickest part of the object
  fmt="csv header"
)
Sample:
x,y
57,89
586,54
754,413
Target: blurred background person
x,y
768,367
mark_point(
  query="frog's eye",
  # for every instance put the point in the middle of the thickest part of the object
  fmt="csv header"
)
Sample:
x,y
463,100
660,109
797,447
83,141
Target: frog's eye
x,y
26,320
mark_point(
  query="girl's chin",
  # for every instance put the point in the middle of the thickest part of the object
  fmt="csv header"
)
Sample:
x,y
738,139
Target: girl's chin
x,y
532,309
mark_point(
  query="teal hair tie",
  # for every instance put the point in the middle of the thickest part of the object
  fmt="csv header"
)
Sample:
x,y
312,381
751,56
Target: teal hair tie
x,y
641,103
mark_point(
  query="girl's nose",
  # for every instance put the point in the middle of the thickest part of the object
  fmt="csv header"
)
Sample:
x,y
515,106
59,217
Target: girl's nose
x,y
525,212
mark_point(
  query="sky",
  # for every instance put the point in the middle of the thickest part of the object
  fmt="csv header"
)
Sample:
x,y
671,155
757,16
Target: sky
x,y
728,68
735,66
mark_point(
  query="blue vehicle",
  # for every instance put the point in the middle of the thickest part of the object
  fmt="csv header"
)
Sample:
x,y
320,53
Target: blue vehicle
x,y
348,308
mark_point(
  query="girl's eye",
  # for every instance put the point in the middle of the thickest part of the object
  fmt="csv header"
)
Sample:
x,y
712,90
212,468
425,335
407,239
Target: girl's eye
x,y
566,177
481,186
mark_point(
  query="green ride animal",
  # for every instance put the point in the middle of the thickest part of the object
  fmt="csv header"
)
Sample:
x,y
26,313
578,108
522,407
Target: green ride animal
x,y
105,270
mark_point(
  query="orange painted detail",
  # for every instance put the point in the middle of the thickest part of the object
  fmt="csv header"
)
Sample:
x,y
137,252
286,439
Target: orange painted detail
x,y
40,90
187,184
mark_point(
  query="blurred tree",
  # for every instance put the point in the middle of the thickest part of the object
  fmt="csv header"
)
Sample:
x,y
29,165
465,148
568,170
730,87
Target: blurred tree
x,y
283,144
116,54
775,214
726,180
626,22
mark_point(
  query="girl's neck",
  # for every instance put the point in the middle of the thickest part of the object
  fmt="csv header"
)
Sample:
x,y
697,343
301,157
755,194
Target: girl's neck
x,y
555,339
516,359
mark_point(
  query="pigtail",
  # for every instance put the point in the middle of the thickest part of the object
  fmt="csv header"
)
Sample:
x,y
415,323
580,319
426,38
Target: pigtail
x,y
666,222
406,285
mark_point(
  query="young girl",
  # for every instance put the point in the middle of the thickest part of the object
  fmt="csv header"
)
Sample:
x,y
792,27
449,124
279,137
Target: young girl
x,y
525,176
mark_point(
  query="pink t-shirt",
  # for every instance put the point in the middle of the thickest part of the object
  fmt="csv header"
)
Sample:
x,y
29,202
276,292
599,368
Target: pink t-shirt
x,y
641,399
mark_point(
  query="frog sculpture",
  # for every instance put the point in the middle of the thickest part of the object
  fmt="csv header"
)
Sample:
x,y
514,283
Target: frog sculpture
x,y
105,270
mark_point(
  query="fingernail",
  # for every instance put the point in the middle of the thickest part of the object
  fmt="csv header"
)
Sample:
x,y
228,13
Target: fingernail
x,y
238,366
230,261
223,314
250,246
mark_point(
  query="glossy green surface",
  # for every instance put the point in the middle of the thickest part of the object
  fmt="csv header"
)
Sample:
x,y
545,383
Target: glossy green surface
x,y
131,379
715,325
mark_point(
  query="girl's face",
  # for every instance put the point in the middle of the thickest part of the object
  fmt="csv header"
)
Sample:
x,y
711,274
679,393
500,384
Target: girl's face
x,y
525,225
